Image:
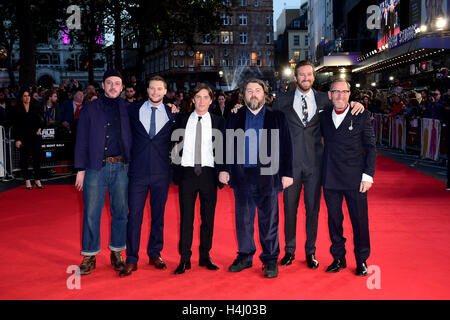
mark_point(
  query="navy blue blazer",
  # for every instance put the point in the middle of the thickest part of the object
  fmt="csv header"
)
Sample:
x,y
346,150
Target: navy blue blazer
x,y
149,156
267,184
348,153
67,112
91,135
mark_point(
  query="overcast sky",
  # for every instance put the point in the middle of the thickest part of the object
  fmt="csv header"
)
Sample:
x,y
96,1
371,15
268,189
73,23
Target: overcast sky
x,y
279,5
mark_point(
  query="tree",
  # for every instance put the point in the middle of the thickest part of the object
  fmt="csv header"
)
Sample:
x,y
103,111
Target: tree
x,y
167,21
27,70
8,34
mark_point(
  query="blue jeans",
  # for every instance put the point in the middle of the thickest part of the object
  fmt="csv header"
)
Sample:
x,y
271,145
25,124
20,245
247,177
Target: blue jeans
x,y
114,178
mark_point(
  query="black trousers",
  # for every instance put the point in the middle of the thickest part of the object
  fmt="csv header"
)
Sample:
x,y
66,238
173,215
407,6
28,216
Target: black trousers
x,y
31,144
311,184
191,186
358,211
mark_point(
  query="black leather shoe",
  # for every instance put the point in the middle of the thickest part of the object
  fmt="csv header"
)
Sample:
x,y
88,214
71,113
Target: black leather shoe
x,y
239,265
287,259
182,267
117,260
361,269
311,261
87,265
337,265
208,264
127,270
271,269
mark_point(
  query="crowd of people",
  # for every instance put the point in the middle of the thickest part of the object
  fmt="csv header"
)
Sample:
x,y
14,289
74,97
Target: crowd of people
x,y
430,103
60,107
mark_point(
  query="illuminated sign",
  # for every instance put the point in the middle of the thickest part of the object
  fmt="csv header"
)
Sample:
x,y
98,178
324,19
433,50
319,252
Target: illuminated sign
x,y
402,37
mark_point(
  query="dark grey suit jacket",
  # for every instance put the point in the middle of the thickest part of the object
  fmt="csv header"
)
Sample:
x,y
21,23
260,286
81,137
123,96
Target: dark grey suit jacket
x,y
307,141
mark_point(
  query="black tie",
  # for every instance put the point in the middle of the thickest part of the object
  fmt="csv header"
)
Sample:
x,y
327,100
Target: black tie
x,y
198,148
304,111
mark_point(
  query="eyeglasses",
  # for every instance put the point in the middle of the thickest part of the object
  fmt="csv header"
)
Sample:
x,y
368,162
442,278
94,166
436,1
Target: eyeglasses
x,y
340,91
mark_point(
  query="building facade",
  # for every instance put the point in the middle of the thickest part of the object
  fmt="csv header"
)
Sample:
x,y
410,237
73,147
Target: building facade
x,y
57,61
243,47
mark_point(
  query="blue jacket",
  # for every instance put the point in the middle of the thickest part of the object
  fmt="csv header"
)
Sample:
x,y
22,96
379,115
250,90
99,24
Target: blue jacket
x,y
66,111
267,184
91,134
149,156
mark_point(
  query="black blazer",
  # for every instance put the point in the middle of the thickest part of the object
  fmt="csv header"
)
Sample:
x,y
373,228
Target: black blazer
x,y
181,123
348,153
267,184
307,141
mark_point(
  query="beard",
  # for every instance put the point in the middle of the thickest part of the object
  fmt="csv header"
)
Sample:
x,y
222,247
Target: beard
x,y
254,104
156,101
304,85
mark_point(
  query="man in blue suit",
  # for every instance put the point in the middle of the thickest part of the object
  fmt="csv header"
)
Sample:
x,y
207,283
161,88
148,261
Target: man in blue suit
x,y
102,154
151,123
348,169
265,169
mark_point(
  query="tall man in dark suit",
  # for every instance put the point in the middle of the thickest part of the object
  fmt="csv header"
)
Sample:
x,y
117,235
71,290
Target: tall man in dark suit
x,y
102,154
195,173
151,124
257,166
348,169
302,108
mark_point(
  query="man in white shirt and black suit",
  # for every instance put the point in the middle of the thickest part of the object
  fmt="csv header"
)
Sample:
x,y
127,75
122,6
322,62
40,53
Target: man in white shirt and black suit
x,y
348,169
197,175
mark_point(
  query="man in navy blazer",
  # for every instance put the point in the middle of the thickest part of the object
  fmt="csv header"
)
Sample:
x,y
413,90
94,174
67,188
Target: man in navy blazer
x,y
348,169
152,123
102,154
71,109
258,165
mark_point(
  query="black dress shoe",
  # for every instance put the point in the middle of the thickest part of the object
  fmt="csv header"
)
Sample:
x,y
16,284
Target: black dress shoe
x,y
182,267
39,186
271,269
28,185
87,265
287,259
127,270
117,260
239,265
208,264
311,261
337,265
361,269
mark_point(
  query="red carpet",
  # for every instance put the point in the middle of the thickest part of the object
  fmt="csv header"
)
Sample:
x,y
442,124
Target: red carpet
x,y
40,237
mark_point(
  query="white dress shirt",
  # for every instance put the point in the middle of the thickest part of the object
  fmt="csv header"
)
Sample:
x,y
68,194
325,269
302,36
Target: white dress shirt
x,y
310,102
337,120
145,113
207,157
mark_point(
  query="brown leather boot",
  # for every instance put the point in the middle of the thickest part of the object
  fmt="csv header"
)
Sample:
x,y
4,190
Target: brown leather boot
x,y
87,265
117,260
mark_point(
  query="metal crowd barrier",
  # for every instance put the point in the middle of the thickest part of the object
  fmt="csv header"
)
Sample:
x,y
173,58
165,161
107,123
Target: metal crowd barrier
x,y
57,154
423,137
